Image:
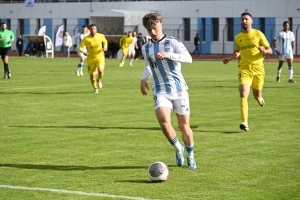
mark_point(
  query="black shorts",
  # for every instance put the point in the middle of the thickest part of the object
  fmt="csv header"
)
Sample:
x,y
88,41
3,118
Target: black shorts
x,y
5,51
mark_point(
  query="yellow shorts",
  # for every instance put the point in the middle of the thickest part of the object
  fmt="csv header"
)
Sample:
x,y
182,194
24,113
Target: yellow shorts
x,y
94,65
125,51
252,75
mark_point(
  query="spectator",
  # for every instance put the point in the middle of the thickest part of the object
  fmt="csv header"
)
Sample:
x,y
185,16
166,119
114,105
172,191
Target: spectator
x,y
67,44
19,44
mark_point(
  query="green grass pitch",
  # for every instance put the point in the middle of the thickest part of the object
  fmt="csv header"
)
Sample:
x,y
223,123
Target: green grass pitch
x,y
58,140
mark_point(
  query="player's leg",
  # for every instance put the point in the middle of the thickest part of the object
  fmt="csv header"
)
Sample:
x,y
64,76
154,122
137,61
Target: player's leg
x,y
245,81
5,61
257,86
92,70
289,59
182,109
124,55
279,68
101,70
163,111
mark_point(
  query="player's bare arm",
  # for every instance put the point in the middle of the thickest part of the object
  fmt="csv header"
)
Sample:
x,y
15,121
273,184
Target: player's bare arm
x,y
144,87
234,55
265,50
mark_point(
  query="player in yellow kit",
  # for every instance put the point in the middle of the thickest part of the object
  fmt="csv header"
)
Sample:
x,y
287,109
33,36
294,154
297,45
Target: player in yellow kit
x,y
251,46
95,55
125,42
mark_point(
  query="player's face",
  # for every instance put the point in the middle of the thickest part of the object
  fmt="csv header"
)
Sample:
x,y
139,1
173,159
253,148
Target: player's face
x,y
84,30
246,21
156,31
93,30
286,27
3,27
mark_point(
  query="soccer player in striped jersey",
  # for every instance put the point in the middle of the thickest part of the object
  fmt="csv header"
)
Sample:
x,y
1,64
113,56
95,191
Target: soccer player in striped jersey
x,y
163,56
77,40
285,50
251,46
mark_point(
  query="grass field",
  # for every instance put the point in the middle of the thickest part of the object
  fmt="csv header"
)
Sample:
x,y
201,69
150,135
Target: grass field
x,y
61,141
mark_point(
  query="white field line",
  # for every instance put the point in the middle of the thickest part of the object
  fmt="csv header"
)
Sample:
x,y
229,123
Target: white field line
x,y
71,192
46,87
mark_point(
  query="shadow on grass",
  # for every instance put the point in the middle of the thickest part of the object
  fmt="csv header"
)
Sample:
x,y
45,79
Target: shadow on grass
x,y
136,181
69,168
96,127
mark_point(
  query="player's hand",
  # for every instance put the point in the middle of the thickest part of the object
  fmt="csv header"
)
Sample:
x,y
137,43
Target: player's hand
x,y
161,55
226,60
104,49
144,86
0,40
262,49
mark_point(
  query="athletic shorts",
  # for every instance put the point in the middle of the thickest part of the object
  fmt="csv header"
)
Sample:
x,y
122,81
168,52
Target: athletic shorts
x,y
252,75
125,51
281,57
5,51
178,102
81,54
94,65
131,51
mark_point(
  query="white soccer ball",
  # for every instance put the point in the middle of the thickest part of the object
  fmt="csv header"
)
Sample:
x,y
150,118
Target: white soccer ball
x,y
158,172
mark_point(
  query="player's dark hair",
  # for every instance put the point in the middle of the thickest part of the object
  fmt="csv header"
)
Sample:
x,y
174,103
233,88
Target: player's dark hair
x,y
90,26
246,13
84,26
285,22
2,23
151,19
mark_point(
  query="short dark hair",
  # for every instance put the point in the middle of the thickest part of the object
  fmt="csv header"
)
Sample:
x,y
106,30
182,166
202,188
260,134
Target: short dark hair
x,y
285,22
84,26
2,23
246,13
92,25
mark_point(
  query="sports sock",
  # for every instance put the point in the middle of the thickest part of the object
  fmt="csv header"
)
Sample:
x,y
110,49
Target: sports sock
x,y
6,69
189,150
278,71
94,82
80,65
131,60
176,144
291,73
244,109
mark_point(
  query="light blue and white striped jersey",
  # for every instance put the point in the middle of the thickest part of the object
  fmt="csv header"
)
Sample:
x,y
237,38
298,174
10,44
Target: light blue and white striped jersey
x,y
166,73
284,41
77,38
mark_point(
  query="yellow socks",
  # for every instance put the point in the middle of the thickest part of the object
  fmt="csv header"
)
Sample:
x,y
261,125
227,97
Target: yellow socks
x,y
244,108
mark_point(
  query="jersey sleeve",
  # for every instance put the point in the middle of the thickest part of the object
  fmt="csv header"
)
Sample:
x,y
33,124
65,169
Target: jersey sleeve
x,y
263,40
180,54
104,41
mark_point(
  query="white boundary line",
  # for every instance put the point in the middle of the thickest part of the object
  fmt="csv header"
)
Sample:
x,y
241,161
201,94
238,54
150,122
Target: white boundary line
x,y
71,192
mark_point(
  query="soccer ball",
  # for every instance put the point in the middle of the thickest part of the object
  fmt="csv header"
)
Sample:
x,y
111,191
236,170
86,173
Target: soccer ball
x,y
158,172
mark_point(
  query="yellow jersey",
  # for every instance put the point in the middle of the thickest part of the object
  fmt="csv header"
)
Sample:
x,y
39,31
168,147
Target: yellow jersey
x,y
94,46
125,41
248,44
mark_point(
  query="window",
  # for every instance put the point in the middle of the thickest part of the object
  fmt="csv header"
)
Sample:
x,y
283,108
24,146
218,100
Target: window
x,y
202,32
215,29
291,23
187,29
229,29
262,25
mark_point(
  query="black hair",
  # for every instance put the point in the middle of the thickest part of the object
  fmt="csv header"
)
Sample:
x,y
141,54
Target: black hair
x,y
246,13
285,22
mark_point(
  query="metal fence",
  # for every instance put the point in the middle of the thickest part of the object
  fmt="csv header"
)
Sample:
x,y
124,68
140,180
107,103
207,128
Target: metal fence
x,y
211,42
